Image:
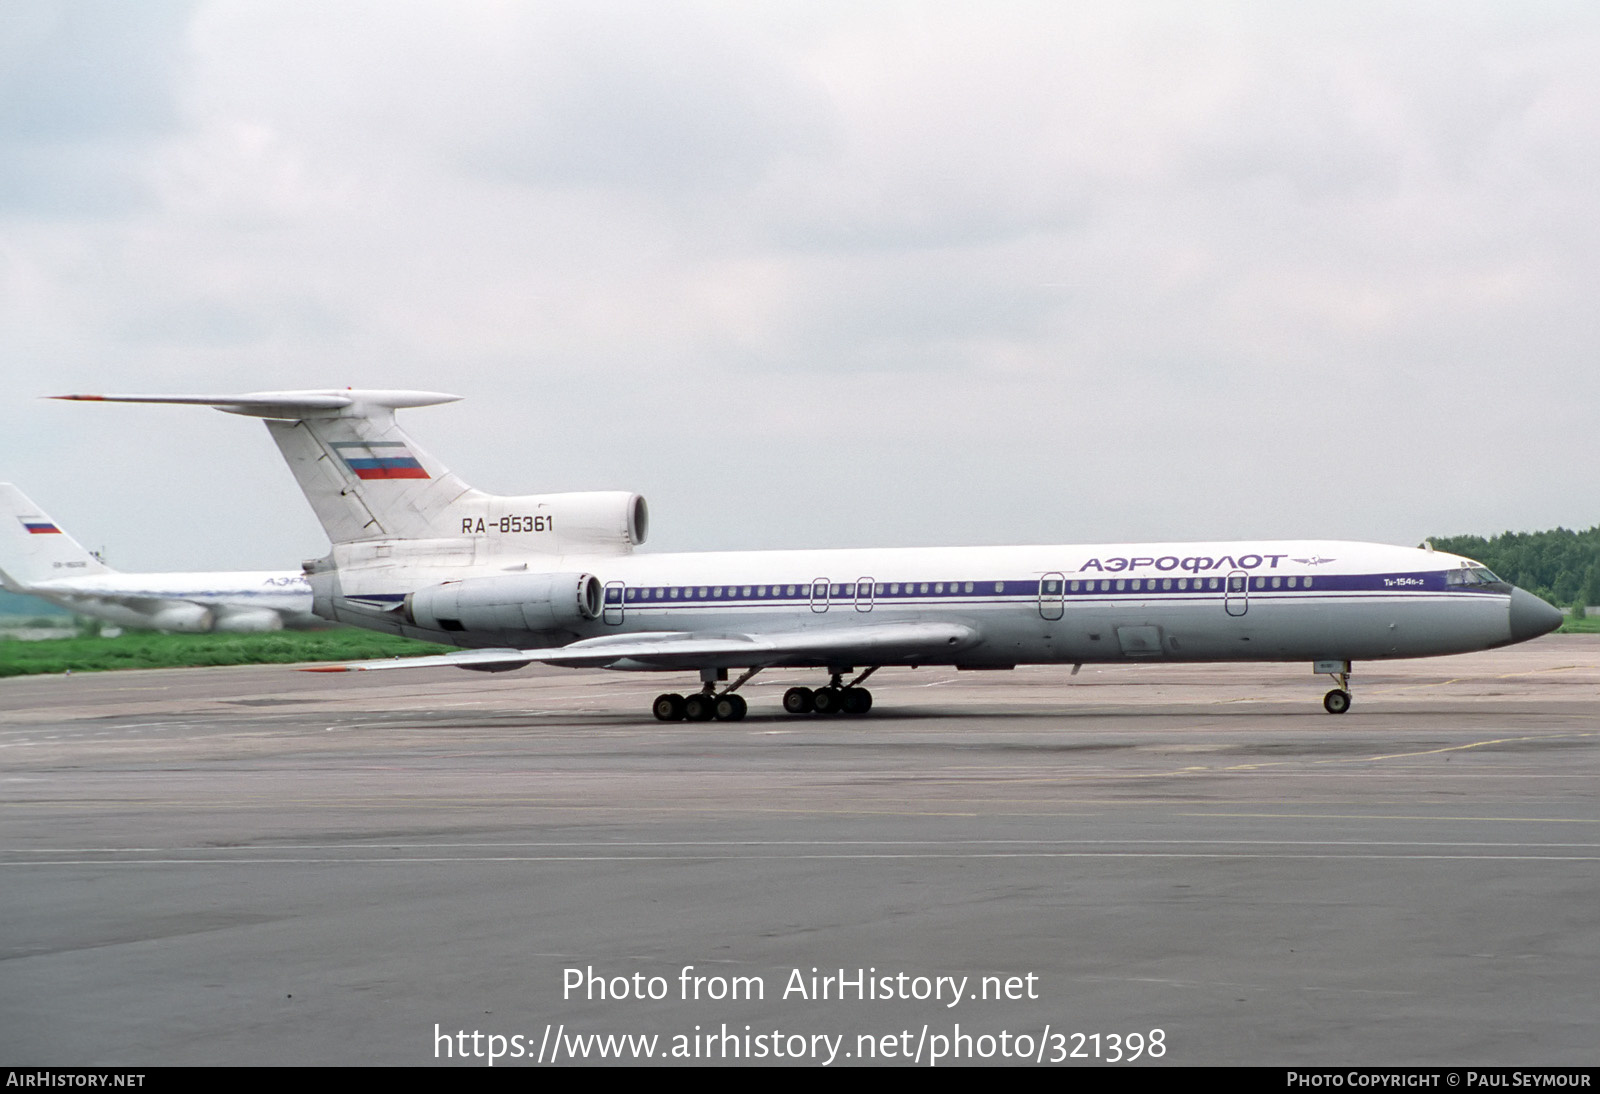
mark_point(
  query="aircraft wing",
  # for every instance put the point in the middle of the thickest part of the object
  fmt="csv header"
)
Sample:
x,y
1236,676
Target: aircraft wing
x,y
884,643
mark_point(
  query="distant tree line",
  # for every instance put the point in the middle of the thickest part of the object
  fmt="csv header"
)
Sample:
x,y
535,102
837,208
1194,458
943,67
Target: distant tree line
x,y
1562,566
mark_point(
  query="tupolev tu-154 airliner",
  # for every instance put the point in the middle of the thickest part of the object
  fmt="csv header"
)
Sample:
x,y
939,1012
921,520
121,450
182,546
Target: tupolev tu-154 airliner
x,y
555,578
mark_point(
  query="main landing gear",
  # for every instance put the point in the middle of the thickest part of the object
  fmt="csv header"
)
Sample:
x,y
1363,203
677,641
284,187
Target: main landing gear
x,y
836,698
725,706
699,707
1336,701
705,704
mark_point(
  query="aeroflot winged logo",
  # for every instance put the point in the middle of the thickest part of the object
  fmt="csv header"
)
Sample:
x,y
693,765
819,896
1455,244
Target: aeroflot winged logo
x,y
1196,563
379,460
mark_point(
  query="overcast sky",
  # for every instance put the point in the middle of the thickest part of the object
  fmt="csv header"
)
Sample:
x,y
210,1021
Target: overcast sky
x,y
814,274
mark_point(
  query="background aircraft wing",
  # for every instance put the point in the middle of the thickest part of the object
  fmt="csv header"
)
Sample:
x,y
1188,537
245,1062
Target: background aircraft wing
x,y
884,643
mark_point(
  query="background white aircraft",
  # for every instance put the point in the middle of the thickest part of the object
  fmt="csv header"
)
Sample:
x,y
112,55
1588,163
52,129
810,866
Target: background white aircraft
x,y
39,559
554,578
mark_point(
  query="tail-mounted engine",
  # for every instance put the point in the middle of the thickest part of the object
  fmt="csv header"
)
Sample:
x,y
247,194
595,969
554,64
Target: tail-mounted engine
x,y
507,603
591,522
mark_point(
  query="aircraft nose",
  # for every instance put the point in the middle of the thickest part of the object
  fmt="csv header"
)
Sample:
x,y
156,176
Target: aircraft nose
x,y
1531,617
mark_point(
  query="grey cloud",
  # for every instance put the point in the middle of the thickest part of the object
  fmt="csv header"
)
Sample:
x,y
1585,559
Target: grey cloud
x,y
74,70
647,97
220,322
84,85
910,320
72,181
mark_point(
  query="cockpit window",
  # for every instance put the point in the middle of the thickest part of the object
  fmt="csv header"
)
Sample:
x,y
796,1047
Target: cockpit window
x,y
1472,575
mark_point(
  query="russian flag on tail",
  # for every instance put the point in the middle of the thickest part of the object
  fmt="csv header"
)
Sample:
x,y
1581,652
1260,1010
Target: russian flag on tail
x,y
38,527
380,460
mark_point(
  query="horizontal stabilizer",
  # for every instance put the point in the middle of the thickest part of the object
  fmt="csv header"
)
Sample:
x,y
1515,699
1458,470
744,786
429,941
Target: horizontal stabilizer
x,y
875,644
287,405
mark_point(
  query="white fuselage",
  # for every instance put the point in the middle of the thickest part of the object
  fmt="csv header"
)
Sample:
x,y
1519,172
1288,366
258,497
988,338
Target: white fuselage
x,y
1251,600
243,601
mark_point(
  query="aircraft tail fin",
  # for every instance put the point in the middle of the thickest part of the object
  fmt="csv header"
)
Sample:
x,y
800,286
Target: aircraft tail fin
x,y
364,477
33,548
367,480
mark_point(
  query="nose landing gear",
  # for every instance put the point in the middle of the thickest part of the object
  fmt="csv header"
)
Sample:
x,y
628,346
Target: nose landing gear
x,y
1336,701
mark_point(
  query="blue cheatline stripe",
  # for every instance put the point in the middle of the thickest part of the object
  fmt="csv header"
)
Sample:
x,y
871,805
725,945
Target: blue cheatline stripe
x,y
1026,590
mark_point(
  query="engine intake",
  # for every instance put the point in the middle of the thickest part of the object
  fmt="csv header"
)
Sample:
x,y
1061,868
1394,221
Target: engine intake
x,y
507,603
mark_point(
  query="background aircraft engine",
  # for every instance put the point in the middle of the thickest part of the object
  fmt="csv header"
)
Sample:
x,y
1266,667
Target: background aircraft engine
x,y
247,620
512,602
181,618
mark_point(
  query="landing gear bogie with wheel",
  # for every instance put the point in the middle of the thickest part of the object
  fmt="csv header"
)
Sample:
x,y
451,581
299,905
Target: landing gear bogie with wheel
x,y
1336,701
724,706
827,700
706,704
799,701
857,700
837,698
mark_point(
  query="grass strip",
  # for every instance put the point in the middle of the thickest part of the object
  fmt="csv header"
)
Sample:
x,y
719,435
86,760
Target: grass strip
x,y
151,650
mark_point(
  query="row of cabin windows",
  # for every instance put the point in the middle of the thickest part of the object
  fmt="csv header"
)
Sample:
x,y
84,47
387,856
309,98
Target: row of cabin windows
x,y
760,592
1105,585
